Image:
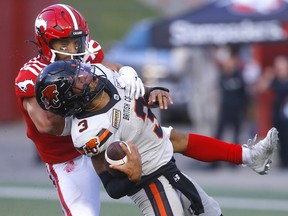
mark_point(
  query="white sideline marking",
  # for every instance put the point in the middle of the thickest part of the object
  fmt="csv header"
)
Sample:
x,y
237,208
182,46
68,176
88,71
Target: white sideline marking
x,y
225,202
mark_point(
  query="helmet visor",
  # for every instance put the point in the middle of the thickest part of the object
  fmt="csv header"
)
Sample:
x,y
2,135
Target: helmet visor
x,y
83,78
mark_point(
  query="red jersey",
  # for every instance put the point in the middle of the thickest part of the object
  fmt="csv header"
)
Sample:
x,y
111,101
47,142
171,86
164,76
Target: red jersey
x,y
51,148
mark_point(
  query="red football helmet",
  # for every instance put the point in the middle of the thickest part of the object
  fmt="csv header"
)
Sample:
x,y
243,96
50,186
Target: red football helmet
x,y
60,21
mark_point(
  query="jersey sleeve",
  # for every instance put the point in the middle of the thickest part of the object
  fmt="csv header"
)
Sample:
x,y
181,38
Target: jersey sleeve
x,y
25,83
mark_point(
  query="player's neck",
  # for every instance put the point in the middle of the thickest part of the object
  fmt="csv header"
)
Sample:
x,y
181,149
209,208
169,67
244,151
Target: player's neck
x,y
99,102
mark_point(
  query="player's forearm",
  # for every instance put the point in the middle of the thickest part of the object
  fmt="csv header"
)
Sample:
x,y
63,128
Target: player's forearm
x,y
44,121
52,124
116,187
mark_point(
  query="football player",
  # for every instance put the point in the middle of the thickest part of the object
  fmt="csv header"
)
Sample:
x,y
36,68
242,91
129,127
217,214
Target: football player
x,y
62,33
103,114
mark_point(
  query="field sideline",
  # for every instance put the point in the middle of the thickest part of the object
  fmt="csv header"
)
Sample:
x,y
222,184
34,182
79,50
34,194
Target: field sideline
x,y
271,206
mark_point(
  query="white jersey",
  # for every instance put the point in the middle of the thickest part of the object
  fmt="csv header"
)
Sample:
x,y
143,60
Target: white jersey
x,y
126,120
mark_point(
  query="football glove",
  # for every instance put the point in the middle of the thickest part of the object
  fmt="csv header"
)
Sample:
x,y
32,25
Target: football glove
x,y
128,79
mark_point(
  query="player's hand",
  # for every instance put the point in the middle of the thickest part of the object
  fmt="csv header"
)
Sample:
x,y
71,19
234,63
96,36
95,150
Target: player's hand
x,y
133,167
129,80
160,96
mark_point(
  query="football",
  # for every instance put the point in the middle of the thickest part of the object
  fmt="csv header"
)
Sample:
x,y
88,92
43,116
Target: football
x,y
115,155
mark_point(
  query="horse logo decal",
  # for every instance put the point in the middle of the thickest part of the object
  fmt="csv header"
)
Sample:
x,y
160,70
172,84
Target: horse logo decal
x,y
23,85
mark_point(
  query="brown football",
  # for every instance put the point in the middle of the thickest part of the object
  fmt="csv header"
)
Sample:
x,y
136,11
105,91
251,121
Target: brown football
x,y
115,155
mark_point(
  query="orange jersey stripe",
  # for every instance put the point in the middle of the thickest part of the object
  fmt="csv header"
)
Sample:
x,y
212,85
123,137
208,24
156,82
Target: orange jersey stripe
x,y
158,199
104,135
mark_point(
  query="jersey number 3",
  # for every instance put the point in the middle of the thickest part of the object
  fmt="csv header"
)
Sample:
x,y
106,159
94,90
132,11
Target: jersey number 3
x,y
142,113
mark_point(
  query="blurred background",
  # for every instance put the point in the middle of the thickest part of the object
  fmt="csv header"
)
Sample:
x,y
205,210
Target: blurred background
x,y
225,63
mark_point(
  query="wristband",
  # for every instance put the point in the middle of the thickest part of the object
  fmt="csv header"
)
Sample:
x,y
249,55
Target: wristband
x,y
158,88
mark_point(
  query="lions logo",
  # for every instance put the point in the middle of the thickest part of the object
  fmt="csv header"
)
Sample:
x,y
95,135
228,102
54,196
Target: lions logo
x,y
50,97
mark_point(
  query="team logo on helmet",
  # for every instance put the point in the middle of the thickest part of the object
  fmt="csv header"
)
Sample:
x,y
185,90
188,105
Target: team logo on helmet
x,y
50,97
40,24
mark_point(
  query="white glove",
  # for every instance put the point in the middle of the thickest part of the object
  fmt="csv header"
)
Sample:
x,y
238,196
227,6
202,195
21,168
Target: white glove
x,y
129,80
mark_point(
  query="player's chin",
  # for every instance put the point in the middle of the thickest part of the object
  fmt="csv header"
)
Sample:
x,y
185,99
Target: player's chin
x,y
62,57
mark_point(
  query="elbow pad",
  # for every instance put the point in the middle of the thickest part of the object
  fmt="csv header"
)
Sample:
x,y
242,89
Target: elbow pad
x,y
116,187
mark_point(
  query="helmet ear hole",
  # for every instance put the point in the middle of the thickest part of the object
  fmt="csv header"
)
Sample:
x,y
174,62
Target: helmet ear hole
x,y
41,30
40,51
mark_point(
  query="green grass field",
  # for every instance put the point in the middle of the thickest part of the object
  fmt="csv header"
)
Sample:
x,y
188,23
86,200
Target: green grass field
x,y
23,207
17,207
234,203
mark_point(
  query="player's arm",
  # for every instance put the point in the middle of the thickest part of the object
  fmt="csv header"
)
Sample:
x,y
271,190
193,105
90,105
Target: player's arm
x,y
116,187
179,141
45,122
119,187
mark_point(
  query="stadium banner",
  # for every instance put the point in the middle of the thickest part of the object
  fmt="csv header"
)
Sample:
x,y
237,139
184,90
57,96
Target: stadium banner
x,y
224,22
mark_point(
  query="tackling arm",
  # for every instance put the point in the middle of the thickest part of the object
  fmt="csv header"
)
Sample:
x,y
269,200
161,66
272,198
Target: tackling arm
x,y
44,121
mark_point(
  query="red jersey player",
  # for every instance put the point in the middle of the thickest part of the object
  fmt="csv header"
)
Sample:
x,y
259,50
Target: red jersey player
x,y
62,33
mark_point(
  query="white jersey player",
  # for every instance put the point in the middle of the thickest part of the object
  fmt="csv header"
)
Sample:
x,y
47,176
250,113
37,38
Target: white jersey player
x,y
122,119
102,115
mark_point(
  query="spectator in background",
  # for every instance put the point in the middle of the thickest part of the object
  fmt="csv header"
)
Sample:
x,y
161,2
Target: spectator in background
x,y
203,91
232,95
233,98
251,74
275,78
